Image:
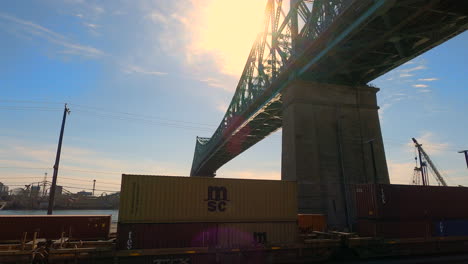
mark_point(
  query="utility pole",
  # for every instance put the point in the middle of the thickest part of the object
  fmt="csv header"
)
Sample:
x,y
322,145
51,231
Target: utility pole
x,y
466,155
94,185
57,161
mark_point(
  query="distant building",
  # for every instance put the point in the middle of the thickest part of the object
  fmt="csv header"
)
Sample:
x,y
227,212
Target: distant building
x,y
3,189
84,193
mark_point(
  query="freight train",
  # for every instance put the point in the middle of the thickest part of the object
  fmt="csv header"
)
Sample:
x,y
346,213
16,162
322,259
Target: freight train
x,y
213,220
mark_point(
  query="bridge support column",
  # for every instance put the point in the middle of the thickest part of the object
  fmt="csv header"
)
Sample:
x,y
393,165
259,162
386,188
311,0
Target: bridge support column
x,y
328,133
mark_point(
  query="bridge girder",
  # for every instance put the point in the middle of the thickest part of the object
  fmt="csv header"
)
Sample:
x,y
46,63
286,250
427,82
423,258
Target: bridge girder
x,y
348,42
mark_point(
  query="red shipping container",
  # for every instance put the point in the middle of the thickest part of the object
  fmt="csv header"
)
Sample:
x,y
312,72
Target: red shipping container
x,y
177,235
394,229
76,227
410,202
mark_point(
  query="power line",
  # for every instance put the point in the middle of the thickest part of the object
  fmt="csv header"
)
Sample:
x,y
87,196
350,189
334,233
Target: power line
x,y
65,169
30,101
175,124
91,171
101,181
88,189
102,111
28,168
82,180
140,115
29,108
145,121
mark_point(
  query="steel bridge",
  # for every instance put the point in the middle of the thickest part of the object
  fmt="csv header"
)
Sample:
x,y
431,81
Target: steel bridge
x,y
343,42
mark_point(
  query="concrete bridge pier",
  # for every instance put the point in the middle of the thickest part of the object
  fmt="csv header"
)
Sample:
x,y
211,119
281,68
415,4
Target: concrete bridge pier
x,y
329,134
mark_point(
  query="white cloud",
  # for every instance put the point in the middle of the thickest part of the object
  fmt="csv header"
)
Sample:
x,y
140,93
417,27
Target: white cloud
x,y
404,75
218,84
409,62
222,106
420,85
417,68
34,30
30,161
384,107
424,91
431,143
99,10
157,17
137,69
428,79
91,26
251,174
400,172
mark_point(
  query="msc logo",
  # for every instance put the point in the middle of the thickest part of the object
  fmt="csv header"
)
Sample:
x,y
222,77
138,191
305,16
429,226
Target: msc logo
x,y
217,199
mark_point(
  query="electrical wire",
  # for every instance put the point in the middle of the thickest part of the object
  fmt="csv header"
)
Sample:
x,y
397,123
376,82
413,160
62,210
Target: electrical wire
x,y
90,180
97,110
145,121
89,189
62,169
103,110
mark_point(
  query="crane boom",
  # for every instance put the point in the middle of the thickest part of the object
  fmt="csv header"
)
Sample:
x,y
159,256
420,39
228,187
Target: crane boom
x,y
439,177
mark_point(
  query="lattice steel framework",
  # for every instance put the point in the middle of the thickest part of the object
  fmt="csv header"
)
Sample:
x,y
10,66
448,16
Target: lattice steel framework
x,y
336,41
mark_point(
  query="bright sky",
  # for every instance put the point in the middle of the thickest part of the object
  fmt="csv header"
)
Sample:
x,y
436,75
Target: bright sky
x,y
144,78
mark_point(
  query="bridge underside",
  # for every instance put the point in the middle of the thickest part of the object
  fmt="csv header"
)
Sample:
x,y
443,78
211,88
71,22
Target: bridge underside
x,y
369,39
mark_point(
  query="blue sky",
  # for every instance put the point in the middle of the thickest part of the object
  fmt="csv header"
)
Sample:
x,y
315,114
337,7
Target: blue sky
x,y
144,78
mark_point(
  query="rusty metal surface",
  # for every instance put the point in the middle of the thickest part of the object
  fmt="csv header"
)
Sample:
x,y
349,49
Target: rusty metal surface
x,y
410,202
51,226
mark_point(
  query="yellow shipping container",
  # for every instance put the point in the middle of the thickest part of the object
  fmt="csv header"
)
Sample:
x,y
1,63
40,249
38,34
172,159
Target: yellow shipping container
x,y
164,199
241,235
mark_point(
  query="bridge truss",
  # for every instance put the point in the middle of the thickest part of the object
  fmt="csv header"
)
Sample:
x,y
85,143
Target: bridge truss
x,y
347,42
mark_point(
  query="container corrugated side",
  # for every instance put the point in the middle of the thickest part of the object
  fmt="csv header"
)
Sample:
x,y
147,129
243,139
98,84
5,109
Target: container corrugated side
x,y
410,202
394,229
177,235
211,235
241,235
163,199
51,226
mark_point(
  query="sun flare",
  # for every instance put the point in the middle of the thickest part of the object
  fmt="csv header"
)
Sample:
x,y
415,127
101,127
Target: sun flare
x,y
226,30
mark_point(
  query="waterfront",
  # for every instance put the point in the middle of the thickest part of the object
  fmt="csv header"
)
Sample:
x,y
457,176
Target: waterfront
x,y
114,213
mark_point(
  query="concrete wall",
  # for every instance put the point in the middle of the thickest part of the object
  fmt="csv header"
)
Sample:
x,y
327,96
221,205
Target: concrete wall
x,y
326,128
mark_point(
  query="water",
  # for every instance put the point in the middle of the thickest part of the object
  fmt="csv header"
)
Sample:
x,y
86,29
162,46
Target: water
x,y
114,213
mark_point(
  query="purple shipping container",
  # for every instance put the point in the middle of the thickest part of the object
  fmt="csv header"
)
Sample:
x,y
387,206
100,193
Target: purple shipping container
x,y
394,229
410,202
77,227
211,235
177,235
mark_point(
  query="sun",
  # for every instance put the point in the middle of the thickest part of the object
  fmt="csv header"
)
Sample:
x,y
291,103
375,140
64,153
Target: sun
x,y
227,30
